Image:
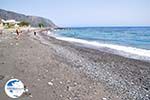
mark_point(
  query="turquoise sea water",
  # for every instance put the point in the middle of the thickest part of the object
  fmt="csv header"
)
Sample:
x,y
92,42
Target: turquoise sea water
x,y
138,37
131,42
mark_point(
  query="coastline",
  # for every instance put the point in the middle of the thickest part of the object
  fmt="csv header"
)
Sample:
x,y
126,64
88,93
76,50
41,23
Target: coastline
x,y
125,51
131,44
98,74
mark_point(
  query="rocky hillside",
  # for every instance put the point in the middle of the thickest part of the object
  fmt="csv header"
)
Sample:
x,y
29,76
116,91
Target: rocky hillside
x,y
33,20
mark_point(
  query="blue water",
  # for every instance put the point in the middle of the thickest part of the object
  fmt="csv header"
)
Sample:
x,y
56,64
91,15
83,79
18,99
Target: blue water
x,y
138,37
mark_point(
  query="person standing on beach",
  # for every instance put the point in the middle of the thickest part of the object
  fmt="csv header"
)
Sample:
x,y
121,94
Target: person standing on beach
x,y
1,32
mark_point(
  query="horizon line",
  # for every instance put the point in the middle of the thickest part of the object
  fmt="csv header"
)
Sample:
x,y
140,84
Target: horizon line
x,y
100,26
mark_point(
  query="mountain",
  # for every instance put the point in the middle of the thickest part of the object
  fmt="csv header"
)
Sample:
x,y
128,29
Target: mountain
x,y
33,20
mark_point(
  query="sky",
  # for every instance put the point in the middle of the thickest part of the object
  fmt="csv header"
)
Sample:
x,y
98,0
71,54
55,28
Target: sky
x,y
80,13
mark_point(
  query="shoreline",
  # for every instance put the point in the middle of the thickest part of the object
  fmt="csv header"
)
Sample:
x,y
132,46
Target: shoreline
x,y
121,50
92,74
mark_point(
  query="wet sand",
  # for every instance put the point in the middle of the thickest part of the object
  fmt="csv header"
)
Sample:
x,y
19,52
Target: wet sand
x,y
57,70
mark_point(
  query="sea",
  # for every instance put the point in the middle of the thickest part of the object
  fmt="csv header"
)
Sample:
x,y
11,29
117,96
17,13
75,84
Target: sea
x,y
132,42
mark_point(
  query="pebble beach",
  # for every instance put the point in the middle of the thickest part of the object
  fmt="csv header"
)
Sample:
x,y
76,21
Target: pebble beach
x,y
53,69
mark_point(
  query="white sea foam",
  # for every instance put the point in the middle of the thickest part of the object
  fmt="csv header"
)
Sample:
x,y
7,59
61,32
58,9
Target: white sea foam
x,y
131,52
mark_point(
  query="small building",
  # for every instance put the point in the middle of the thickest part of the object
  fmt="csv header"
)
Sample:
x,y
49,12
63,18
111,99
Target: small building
x,y
10,21
13,23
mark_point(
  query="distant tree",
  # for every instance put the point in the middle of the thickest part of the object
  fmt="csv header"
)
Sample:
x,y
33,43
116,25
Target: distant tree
x,y
23,23
41,25
10,25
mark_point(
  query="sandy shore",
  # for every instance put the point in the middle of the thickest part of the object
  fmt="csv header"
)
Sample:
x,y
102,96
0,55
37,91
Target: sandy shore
x,y
57,70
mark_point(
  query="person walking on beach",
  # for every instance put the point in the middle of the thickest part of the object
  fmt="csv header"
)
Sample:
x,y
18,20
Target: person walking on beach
x,y
34,33
18,33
